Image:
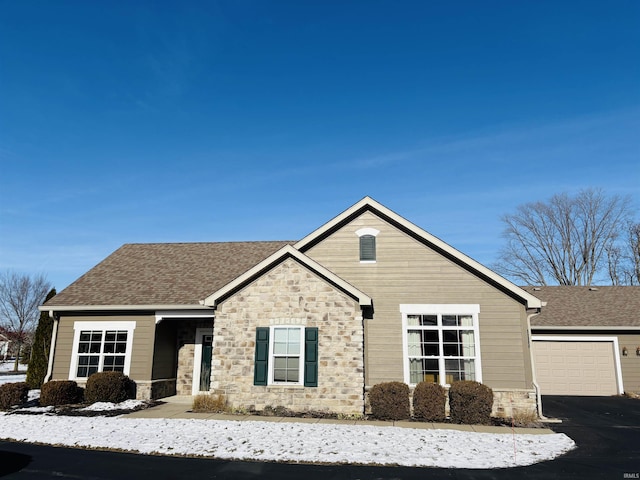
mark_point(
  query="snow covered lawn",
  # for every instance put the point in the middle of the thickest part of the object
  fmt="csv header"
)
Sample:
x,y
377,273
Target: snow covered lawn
x,y
289,441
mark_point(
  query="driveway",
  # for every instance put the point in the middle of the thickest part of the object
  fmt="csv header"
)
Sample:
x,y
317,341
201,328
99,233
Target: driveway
x,y
606,430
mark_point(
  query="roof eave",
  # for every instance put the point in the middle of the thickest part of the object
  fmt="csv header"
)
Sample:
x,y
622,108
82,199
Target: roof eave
x,y
103,308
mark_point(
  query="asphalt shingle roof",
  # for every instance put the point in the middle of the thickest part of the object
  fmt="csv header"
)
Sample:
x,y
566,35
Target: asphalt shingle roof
x,y
164,273
588,306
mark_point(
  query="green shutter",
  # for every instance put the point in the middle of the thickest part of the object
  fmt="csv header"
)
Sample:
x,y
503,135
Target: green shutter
x,y
261,364
310,357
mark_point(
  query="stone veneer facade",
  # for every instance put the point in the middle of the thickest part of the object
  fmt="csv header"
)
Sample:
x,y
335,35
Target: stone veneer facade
x,y
290,294
186,335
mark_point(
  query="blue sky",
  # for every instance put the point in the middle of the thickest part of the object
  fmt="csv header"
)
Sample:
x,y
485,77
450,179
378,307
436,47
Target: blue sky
x,y
258,120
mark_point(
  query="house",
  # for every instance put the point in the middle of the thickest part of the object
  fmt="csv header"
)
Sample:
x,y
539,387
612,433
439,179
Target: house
x,y
586,341
4,345
368,297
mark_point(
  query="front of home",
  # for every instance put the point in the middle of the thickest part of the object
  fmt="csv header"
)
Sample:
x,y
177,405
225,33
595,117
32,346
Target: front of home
x,y
366,298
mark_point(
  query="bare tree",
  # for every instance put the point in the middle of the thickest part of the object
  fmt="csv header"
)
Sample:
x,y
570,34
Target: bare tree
x,y
566,240
624,259
20,296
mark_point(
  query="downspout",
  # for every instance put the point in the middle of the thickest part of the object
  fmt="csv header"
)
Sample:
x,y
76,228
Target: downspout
x,y
52,347
533,368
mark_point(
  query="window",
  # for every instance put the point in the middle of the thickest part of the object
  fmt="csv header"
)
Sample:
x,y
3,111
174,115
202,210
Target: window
x,y
367,244
441,343
101,347
286,355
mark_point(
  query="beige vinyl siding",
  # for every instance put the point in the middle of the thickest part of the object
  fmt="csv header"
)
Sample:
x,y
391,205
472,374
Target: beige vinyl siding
x,y
408,272
165,355
630,364
142,350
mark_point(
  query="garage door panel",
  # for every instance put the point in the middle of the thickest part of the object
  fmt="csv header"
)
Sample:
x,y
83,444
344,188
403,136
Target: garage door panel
x,y
575,368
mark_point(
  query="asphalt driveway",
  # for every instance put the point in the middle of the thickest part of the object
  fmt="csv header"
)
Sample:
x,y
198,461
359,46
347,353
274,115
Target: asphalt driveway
x,y
607,432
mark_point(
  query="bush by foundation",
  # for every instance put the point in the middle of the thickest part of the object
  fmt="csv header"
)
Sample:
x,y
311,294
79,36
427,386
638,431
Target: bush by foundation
x,y
429,400
60,392
470,403
114,387
13,394
390,401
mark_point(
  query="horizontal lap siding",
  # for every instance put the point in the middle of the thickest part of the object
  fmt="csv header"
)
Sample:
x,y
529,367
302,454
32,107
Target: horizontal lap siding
x,y
407,272
143,338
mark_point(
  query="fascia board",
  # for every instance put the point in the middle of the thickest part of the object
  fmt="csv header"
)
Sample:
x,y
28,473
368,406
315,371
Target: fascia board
x,y
102,308
273,259
531,300
582,327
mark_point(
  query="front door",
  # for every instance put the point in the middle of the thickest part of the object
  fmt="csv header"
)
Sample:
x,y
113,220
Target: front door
x,y
205,363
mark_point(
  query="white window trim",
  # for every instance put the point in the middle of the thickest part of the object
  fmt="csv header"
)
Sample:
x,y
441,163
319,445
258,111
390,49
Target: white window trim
x,y
272,358
129,326
613,340
441,309
197,358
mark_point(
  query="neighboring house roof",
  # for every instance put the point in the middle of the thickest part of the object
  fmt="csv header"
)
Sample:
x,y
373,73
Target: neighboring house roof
x,y
369,204
287,252
163,274
588,307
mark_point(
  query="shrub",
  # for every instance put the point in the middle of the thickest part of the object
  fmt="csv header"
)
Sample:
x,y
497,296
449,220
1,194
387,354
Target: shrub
x,y
39,361
12,394
390,401
429,400
210,403
470,403
60,392
114,387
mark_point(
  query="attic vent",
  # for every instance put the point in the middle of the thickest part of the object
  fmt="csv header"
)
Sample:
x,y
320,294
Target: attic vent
x,y
536,289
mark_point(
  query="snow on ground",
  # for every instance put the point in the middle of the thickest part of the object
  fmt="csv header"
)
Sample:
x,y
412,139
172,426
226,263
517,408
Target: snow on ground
x,y
289,441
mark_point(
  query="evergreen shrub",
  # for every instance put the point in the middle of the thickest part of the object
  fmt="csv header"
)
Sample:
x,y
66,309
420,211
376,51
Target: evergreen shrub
x,y
390,401
470,403
114,387
429,400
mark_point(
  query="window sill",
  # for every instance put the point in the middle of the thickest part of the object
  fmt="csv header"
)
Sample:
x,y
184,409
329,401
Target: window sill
x,y
368,261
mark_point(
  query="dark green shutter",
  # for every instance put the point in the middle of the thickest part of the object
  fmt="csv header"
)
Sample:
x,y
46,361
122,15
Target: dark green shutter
x,y
310,357
261,364
367,248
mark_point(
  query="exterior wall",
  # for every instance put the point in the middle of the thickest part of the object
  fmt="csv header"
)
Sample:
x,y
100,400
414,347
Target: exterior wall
x,y
630,364
164,351
186,335
142,350
290,294
408,272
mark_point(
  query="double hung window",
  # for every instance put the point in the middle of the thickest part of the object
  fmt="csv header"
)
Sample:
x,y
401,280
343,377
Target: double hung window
x,y
441,343
286,355
101,347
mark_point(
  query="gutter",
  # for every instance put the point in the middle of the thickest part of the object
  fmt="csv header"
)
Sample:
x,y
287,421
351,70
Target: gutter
x,y
533,368
52,347
103,308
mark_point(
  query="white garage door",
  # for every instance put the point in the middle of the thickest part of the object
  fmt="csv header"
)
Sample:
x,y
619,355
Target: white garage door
x,y
575,367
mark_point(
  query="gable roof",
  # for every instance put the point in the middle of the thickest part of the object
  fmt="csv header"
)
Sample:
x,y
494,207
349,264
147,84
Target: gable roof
x,y
588,307
162,274
287,252
369,204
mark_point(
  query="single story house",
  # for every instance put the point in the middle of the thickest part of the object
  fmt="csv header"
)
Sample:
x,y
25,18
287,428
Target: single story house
x,y
368,297
586,340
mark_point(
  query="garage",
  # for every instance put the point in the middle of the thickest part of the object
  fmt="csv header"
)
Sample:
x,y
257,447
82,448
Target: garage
x,y
577,365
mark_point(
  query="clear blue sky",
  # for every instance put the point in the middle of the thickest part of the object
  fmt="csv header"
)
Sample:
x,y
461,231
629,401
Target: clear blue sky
x,y
257,120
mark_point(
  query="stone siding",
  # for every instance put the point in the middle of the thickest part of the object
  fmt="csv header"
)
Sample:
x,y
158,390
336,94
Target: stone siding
x,y
290,294
186,336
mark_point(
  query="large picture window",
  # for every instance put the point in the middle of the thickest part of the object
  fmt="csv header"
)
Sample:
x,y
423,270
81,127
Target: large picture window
x,y
101,347
441,343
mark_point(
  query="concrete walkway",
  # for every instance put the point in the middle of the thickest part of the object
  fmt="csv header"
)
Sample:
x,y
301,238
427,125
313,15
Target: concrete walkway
x,y
180,407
